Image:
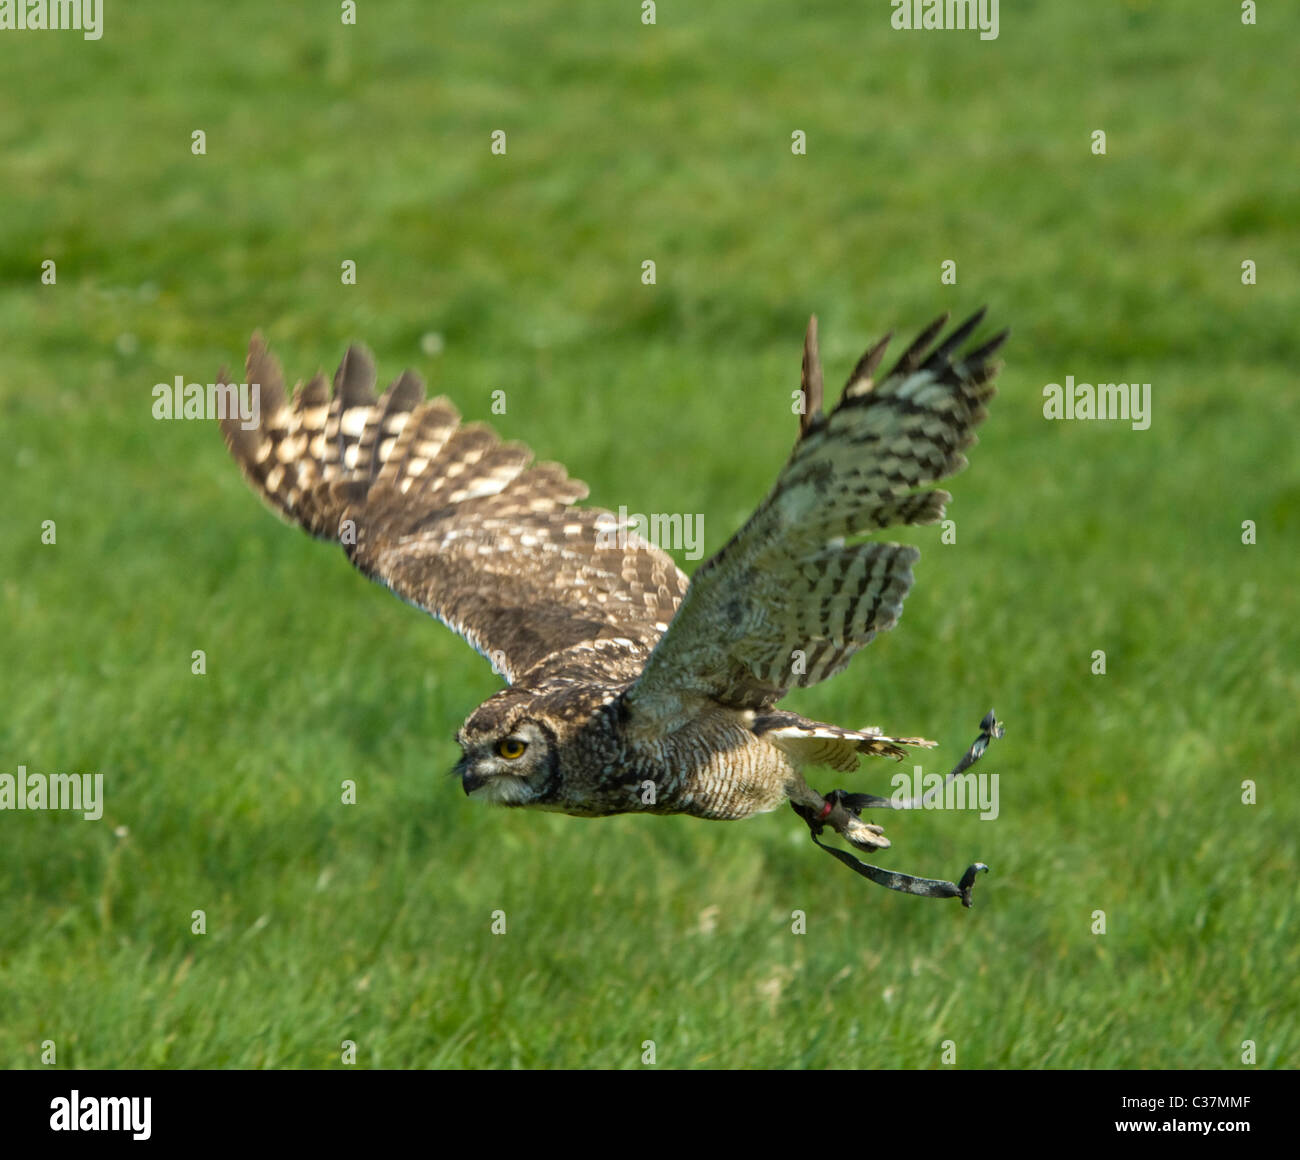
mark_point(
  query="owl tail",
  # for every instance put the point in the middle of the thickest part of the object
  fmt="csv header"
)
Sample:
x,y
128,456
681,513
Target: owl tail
x,y
841,811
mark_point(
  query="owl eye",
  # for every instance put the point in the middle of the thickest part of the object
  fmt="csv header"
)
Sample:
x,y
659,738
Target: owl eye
x,y
511,748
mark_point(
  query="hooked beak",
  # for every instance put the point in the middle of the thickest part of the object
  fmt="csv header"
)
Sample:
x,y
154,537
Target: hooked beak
x,y
469,781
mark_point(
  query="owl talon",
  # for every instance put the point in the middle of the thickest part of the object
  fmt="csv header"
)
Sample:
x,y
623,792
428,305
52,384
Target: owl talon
x,y
890,879
840,810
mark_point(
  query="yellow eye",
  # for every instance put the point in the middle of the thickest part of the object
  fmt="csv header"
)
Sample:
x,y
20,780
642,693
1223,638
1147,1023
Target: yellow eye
x,y
511,748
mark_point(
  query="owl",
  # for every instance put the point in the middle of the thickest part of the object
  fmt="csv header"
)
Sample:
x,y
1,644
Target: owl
x,y
631,688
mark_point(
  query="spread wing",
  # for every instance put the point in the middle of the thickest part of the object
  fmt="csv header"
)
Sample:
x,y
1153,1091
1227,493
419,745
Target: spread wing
x,y
449,517
787,602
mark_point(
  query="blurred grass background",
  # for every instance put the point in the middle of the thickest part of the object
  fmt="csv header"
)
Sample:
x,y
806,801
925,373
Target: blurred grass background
x,y
1119,793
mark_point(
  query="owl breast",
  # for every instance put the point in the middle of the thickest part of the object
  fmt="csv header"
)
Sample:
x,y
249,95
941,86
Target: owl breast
x,y
716,768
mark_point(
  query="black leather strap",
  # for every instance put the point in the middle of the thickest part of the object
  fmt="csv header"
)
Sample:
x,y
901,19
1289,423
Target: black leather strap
x,y
990,730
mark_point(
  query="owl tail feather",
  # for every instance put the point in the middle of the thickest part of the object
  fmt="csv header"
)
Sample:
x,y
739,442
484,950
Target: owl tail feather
x,y
841,811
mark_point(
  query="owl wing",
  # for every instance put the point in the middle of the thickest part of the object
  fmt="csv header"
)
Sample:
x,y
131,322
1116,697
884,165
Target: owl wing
x,y
786,602
449,517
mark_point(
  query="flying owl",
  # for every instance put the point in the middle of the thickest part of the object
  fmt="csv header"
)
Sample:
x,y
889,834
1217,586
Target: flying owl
x,y
632,688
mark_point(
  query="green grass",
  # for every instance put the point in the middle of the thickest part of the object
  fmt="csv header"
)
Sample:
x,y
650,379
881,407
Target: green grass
x,y
372,922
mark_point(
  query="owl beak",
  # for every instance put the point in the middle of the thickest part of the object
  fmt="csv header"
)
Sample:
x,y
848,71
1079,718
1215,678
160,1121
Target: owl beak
x,y
469,781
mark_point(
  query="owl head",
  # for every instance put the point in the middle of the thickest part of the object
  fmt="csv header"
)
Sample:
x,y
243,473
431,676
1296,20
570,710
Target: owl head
x,y
509,759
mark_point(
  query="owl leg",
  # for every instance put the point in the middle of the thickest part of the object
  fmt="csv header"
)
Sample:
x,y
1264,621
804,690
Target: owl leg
x,y
839,801
840,810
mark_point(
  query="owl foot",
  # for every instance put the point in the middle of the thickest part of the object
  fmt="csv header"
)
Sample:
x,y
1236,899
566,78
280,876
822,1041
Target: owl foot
x,y
868,837
840,810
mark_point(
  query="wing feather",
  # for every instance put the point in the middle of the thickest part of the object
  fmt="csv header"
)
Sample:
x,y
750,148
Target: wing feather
x,y
450,518
786,602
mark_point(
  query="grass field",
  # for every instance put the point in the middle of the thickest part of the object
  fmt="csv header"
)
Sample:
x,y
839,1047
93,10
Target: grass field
x,y
1120,792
